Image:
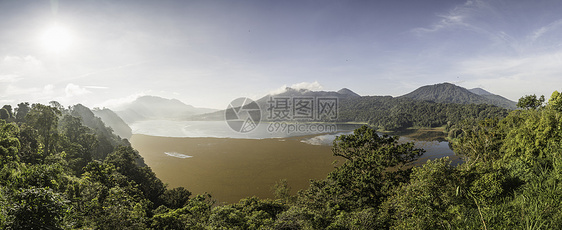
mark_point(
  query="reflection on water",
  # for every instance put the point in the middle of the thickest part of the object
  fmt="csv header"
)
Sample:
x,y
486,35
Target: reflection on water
x,y
433,150
327,139
219,129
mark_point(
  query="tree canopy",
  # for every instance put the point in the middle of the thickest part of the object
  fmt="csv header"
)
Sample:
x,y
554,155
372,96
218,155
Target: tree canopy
x,y
63,169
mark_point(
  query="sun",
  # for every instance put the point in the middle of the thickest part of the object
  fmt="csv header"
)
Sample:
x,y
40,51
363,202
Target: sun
x,y
56,39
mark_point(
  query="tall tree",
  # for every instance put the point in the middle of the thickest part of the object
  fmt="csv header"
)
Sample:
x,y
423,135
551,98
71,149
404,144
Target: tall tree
x,y
9,109
555,101
45,120
531,102
21,111
4,115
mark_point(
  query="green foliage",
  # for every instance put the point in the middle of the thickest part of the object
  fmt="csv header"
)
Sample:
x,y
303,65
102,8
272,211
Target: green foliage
x,y
282,191
531,102
125,161
430,200
49,178
555,101
374,168
10,115
36,208
175,198
9,143
21,111
45,120
479,142
64,169
194,215
390,113
4,115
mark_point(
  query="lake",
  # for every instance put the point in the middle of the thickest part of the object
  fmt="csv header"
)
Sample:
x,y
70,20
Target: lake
x,y
208,157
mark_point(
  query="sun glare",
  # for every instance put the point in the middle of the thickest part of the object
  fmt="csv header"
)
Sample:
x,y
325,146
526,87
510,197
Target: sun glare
x,y
56,39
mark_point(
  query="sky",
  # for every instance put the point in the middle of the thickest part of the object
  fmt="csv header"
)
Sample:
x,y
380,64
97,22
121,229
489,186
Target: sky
x,y
105,53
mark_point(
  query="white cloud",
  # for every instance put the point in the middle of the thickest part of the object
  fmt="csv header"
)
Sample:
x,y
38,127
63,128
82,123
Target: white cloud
x,y
514,76
95,87
12,90
6,81
545,29
456,17
72,90
308,85
9,78
313,86
475,16
16,65
16,68
49,89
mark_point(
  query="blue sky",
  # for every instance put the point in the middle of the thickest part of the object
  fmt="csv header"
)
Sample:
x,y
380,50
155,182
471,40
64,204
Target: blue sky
x,y
207,53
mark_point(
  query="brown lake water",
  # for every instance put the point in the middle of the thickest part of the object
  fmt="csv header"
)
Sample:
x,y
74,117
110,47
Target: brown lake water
x,y
234,168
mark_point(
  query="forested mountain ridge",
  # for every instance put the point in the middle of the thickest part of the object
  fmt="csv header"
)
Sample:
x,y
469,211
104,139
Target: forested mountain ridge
x,y
391,113
450,93
62,168
427,106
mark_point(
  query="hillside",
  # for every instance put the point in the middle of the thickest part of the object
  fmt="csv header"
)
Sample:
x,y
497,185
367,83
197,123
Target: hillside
x,y
480,91
157,108
113,120
496,99
450,93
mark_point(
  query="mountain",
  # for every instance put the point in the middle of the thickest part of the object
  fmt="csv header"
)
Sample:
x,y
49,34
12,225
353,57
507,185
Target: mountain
x,y
450,93
289,92
480,91
497,99
348,92
157,108
113,120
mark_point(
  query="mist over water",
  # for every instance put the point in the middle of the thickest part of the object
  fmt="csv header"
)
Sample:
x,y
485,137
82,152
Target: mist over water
x,y
220,129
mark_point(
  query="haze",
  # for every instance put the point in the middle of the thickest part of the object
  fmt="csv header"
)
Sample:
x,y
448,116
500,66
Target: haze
x,y
206,53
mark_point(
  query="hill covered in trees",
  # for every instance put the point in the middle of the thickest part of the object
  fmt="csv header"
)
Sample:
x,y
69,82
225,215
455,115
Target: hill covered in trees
x,y
390,113
64,169
113,120
427,106
60,169
450,93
